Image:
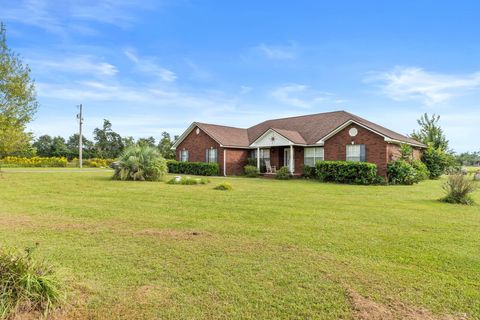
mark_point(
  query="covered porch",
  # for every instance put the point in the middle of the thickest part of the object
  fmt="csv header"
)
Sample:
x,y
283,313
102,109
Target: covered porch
x,y
273,150
280,157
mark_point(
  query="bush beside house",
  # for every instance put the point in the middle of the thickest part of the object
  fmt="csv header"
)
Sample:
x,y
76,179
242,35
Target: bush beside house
x,y
193,168
309,172
347,172
251,171
283,173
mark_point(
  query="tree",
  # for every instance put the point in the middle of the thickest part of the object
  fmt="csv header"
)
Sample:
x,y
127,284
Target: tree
x,y
59,147
128,141
18,103
469,159
44,146
146,142
430,132
436,160
72,146
108,144
165,146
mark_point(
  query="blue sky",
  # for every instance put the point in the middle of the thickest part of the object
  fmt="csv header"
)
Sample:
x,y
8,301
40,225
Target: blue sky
x,y
153,66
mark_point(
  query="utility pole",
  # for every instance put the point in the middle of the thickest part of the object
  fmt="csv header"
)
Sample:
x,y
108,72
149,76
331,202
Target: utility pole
x,y
80,139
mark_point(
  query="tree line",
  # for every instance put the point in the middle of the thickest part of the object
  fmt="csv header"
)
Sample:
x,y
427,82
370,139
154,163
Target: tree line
x,y
106,144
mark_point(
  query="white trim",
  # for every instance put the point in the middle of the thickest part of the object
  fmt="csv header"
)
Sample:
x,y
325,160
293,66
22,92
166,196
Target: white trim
x,y
389,140
268,131
349,122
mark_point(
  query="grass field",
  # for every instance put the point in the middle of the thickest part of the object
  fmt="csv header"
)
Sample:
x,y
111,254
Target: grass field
x,y
268,249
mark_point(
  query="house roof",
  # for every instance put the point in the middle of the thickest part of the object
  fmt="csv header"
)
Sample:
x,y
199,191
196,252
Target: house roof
x,y
293,136
305,130
227,136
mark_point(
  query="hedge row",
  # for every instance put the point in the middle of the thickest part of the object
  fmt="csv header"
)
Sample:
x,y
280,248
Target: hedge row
x,y
34,162
194,168
347,172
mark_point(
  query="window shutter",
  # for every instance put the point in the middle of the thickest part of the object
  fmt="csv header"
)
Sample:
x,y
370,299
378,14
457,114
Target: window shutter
x,y
363,155
206,155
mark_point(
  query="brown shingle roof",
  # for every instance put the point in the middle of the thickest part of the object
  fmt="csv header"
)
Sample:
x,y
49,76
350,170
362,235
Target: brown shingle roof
x,y
293,136
308,129
227,136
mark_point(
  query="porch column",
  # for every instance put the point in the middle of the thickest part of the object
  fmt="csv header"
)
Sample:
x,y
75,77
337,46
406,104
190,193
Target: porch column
x,y
291,159
258,159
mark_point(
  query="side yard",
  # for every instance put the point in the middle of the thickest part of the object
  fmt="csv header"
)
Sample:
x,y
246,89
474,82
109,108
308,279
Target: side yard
x,y
268,249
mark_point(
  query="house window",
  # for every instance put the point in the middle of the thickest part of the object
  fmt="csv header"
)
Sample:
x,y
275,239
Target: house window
x,y
184,155
356,152
211,156
264,154
312,155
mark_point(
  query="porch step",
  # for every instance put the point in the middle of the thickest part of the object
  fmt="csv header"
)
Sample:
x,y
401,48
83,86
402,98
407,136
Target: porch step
x,y
273,175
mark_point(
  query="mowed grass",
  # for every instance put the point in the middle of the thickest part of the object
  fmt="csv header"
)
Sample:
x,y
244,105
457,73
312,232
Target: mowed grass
x,y
268,249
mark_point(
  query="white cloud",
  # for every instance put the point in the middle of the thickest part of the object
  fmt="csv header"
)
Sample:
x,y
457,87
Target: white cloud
x,y
278,52
64,16
149,66
119,94
82,64
245,89
411,83
298,95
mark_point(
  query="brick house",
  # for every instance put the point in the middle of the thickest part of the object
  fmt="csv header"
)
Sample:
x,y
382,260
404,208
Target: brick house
x,y
293,142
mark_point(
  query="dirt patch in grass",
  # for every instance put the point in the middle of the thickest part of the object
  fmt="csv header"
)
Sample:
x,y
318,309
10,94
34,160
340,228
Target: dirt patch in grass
x,y
367,309
9,222
174,234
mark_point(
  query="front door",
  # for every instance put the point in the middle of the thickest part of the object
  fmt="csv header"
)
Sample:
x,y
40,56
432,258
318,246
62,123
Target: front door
x,y
286,158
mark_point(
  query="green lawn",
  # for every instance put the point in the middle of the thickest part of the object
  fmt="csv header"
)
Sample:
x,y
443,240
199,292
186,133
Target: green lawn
x,y
268,249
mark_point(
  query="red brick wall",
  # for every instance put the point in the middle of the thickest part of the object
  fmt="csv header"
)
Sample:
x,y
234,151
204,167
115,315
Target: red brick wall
x,y
394,152
236,160
196,144
375,147
276,157
417,153
298,159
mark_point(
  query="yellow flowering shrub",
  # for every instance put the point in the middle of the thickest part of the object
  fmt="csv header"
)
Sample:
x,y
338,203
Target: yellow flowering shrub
x,y
34,162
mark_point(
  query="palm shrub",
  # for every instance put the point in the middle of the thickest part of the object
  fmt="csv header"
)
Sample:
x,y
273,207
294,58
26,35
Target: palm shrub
x,y
141,163
458,189
27,284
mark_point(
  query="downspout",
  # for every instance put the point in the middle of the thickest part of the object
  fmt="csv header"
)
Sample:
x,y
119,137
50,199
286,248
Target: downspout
x,y
224,162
